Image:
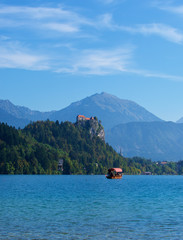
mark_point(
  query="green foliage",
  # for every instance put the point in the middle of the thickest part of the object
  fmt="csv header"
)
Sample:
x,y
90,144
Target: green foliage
x,y
38,147
22,154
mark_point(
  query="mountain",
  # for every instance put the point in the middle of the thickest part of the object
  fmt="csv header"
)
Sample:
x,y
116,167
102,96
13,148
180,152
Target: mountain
x,y
12,120
180,120
128,127
19,116
108,108
159,141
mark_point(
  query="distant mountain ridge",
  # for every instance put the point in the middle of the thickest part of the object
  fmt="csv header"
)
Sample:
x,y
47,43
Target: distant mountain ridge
x,y
108,108
128,127
180,120
158,141
23,112
11,120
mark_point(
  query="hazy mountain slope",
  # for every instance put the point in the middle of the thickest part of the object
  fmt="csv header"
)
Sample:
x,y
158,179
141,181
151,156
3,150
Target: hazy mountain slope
x,y
22,112
180,120
108,108
155,140
11,120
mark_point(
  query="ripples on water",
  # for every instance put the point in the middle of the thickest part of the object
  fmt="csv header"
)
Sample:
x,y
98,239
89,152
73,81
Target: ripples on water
x,y
91,207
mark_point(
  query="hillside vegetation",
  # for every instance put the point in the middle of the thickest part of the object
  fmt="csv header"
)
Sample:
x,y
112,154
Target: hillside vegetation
x,y
38,147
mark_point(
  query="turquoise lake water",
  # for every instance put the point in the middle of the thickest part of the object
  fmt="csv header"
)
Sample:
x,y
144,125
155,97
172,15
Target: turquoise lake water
x,y
91,207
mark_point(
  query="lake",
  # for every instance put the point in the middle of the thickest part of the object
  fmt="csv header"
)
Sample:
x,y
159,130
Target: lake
x,y
91,207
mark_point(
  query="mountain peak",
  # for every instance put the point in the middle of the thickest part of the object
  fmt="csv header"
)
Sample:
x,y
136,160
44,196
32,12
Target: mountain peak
x,y
110,109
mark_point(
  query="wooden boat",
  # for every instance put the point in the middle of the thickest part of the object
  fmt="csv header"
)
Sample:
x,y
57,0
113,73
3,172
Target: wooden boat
x,y
114,173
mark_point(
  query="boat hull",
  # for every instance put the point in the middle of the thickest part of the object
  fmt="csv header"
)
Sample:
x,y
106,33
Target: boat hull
x,y
114,173
114,177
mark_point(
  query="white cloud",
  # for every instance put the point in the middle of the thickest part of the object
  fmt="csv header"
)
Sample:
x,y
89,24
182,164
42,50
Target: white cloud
x,y
105,62
55,19
162,30
178,9
167,32
12,55
168,6
61,27
72,60
67,21
105,21
99,62
86,62
36,12
148,74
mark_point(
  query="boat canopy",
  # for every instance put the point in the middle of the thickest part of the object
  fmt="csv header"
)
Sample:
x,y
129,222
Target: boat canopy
x,y
115,169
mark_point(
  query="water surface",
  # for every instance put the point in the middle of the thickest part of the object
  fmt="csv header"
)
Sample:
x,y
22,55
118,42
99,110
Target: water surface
x,y
91,207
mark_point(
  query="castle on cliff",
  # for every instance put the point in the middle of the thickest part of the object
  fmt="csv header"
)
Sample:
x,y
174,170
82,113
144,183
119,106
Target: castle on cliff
x,y
92,124
83,118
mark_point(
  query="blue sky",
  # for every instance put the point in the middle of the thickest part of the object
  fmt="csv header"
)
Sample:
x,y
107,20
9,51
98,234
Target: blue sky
x,y
53,53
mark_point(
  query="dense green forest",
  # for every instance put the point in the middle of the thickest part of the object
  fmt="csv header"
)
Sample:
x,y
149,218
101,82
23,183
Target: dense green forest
x,y
37,148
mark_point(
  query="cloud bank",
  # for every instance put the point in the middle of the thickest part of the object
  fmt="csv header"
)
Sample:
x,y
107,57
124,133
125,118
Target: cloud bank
x,y
63,26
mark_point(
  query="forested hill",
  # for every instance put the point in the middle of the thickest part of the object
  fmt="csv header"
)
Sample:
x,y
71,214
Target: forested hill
x,y
38,147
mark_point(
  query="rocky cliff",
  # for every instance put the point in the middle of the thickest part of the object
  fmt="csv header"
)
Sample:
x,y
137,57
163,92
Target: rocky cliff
x,y
92,124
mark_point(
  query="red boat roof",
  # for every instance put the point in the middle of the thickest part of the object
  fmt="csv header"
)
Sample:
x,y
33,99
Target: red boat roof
x,y
116,169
